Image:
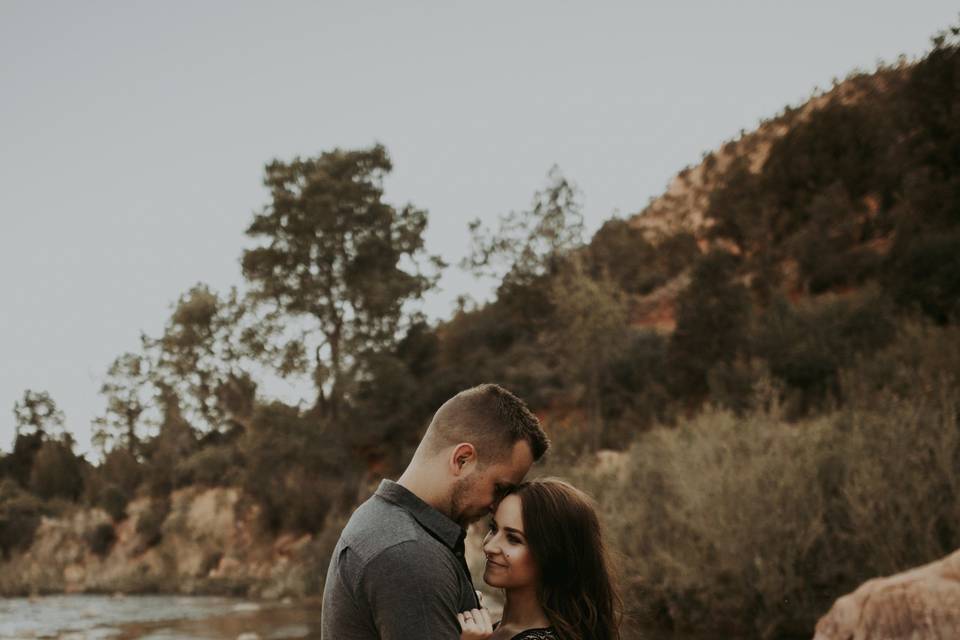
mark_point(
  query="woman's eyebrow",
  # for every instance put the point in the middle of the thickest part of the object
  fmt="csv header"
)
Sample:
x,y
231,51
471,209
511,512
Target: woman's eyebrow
x,y
512,530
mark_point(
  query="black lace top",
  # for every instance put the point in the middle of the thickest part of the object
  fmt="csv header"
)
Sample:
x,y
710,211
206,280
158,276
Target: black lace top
x,y
536,634
544,633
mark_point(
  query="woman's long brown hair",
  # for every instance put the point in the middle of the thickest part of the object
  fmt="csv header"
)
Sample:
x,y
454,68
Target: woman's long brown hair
x,y
577,589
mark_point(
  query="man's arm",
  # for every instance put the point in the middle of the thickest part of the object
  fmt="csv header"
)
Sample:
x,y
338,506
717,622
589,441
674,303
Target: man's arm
x,y
413,592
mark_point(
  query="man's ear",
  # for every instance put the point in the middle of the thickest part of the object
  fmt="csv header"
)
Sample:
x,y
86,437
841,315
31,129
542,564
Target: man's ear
x,y
463,458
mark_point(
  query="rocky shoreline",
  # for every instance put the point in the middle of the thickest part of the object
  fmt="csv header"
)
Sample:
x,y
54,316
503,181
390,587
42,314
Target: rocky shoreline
x,y
208,543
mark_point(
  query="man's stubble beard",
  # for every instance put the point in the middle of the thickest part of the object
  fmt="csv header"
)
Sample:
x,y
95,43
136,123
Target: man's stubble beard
x,y
458,499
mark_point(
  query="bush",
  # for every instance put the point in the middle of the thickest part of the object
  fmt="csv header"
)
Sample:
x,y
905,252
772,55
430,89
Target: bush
x,y
121,468
805,346
20,515
754,525
101,538
295,469
620,251
176,441
114,500
925,276
19,462
634,390
56,472
212,466
712,318
718,547
150,522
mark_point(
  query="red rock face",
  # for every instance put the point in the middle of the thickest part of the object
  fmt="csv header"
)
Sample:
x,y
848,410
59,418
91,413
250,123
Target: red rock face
x,y
920,604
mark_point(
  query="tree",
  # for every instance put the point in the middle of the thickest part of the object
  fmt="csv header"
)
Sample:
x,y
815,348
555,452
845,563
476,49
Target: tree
x,y
38,423
337,254
175,441
620,251
127,390
591,330
57,471
37,414
296,477
207,350
713,313
529,244
527,250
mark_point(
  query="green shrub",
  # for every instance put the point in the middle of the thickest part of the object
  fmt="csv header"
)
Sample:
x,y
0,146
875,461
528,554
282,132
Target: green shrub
x,y
20,515
925,275
754,525
212,466
620,251
175,441
150,522
56,472
719,540
805,346
295,470
712,321
19,462
114,500
121,468
101,538
634,383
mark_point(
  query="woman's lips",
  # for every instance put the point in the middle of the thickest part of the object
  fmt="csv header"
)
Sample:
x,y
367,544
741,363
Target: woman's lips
x,y
496,564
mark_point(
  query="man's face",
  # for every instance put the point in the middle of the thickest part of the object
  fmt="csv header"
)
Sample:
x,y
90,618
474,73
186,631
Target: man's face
x,y
474,495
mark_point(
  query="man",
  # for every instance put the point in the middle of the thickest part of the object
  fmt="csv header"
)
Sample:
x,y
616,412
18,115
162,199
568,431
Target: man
x,y
398,571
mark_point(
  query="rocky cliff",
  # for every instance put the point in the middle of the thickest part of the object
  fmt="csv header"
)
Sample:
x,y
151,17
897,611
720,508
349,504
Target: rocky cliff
x,y
208,542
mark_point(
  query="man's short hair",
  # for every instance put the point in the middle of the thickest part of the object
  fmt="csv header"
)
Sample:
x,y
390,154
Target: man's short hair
x,y
491,419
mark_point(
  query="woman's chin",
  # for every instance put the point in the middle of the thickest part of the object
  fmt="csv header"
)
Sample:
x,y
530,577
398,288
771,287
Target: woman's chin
x,y
491,580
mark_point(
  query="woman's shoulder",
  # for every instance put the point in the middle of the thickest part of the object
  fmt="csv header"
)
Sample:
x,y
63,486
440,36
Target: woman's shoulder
x,y
536,634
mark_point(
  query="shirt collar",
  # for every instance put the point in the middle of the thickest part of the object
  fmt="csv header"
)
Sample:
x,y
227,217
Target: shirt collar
x,y
442,527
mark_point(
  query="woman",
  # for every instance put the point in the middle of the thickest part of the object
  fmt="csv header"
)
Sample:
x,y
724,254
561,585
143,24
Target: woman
x,y
545,551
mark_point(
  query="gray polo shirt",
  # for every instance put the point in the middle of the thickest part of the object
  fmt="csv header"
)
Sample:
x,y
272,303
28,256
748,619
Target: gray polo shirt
x,y
397,573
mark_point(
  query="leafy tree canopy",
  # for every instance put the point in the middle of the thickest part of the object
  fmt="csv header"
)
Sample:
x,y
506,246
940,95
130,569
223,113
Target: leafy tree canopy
x,y
336,253
37,413
528,244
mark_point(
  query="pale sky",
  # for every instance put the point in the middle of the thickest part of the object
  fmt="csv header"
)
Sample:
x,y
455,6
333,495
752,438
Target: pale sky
x,y
133,135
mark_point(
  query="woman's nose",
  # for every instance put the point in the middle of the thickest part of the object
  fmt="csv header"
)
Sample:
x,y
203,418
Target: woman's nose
x,y
490,547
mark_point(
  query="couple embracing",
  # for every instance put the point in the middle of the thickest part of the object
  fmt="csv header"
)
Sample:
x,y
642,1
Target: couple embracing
x,y
398,571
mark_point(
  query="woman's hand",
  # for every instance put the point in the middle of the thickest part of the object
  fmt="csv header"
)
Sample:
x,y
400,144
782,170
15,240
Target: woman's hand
x,y
475,624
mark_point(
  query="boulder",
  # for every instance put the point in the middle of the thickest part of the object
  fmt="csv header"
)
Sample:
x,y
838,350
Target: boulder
x,y
919,604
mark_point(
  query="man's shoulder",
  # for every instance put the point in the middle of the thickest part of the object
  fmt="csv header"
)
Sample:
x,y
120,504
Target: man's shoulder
x,y
378,525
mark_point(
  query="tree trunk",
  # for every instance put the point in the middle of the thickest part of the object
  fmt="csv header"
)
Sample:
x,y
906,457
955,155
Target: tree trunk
x,y
336,365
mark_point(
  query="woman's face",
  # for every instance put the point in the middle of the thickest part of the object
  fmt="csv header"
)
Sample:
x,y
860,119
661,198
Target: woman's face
x,y
510,563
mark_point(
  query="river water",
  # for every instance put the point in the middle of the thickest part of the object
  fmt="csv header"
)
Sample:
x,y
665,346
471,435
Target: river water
x,y
82,617
79,617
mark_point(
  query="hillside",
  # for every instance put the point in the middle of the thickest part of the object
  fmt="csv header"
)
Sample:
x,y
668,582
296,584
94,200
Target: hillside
x,y
770,347
685,207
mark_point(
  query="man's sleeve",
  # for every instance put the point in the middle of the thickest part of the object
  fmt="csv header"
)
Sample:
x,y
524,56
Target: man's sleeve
x,y
412,592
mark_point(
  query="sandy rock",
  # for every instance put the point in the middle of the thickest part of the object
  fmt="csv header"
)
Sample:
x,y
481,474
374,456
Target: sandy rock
x,y
208,545
920,604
